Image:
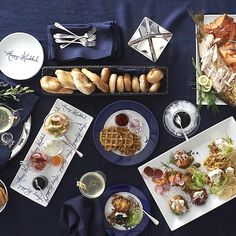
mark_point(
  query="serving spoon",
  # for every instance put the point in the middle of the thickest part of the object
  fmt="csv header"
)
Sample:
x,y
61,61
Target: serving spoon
x,y
179,122
40,189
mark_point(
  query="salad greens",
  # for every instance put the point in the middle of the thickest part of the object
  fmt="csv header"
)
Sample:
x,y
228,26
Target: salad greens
x,y
199,179
134,217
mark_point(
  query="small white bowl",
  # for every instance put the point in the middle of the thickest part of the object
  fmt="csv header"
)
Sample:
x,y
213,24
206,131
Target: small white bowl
x,y
5,188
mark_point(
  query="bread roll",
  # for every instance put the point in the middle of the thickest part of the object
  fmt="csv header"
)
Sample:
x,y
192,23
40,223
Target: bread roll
x,y
120,84
96,80
155,87
127,82
65,79
52,85
82,83
154,75
3,197
135,84
112,83
105,74
144,85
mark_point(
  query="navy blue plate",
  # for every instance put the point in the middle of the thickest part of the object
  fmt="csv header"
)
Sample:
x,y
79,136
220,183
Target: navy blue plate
x,y
126,105
146,206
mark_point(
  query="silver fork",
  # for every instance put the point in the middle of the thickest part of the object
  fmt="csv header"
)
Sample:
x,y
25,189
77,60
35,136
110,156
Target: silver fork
x,y
86,35
69,36
66,43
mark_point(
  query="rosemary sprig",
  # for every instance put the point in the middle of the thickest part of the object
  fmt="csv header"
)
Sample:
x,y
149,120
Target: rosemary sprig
x,y
14,92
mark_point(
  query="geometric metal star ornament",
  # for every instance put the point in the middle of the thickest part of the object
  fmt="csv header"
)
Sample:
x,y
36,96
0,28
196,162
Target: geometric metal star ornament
x,y
150,39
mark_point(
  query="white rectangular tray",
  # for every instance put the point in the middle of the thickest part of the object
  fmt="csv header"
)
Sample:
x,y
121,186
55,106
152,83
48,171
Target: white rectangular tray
x,y
22,183
197,144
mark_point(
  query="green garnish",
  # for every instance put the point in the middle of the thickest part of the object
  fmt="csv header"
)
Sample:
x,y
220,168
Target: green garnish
x,y
14,92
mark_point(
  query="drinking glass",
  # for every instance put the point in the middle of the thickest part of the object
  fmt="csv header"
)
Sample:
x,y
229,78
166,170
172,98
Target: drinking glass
x,y
92,184
8,118
189,114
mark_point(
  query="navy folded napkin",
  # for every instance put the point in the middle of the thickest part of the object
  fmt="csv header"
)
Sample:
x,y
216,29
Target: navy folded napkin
x,y
26,102
108,43
81,216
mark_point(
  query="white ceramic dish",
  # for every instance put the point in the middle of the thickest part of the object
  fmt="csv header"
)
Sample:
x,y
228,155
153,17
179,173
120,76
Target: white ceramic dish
x,y
208,19
109,207
21,56
144,133
5,188
197,144
22,183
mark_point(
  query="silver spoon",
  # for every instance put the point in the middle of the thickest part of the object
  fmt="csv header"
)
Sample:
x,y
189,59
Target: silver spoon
x,y
66,141
179,122
44,196
154,220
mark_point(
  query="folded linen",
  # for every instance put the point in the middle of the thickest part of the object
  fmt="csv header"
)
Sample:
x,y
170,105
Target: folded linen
x,y
108,43
81,216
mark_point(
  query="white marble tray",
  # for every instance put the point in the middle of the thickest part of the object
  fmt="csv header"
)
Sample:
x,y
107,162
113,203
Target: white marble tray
x,y
22,183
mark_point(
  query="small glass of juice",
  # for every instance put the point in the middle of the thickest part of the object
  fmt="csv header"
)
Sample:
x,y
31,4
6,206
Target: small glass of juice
x,y
92,184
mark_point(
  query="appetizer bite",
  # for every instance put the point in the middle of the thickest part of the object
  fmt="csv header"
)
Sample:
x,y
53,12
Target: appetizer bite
x,y
199,197
182,159
57,124
126,212
178,205
38,161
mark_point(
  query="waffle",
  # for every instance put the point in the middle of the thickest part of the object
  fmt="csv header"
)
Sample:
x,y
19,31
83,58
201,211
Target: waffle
x,y
130,151
110,138
121,139
127,137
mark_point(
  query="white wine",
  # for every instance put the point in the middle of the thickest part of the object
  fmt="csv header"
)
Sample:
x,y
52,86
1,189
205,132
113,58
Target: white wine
x,y
92,184
6,119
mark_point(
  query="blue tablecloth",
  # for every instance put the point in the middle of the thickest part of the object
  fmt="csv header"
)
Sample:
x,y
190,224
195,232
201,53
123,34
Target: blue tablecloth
x,y
24,217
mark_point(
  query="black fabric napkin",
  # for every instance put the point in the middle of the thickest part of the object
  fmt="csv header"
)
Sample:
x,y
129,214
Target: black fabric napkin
x,y
108,43
81,216
26,103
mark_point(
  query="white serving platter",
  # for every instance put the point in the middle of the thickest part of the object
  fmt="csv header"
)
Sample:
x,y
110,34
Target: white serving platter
x,y
22,183
21,56
197,144
208,19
